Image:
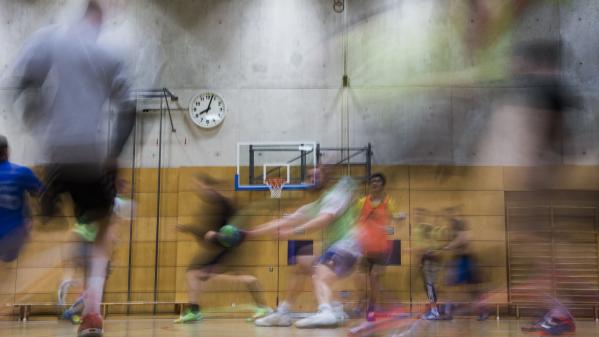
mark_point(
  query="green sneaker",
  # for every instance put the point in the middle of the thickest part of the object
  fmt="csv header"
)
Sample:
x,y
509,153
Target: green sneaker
x,y
87,232
260,312
76,319
189,317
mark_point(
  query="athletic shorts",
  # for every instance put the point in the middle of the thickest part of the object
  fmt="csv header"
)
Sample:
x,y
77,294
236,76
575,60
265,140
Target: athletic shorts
x,y
12,242
92,190
464,270
341,257
371,260
217,261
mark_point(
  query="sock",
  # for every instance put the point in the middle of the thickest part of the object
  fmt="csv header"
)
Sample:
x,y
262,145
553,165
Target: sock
x,y
195,308
95,284
325,307
283,308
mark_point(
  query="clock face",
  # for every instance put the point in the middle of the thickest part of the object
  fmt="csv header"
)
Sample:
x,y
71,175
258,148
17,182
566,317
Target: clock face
x,y
207,110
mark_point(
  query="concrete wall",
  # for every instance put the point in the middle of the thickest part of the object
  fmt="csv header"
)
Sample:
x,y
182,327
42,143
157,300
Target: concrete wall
x,y
416,93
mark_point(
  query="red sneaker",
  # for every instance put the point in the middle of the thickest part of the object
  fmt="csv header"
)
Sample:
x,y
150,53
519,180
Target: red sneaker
x,y
91,326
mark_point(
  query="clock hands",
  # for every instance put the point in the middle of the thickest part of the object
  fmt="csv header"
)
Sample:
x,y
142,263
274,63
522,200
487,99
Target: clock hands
x,y
208,108
210,103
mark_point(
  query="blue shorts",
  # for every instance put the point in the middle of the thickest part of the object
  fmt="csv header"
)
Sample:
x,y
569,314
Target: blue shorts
x,y
12,242
464,271
339,261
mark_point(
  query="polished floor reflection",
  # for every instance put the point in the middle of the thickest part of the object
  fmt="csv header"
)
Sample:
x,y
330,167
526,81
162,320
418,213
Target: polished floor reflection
x,y
148,327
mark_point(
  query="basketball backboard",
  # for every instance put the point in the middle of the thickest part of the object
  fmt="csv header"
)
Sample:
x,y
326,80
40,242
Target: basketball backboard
x,y
291,161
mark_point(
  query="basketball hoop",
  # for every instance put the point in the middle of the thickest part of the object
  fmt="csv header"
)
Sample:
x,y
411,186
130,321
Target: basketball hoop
x,y
275,185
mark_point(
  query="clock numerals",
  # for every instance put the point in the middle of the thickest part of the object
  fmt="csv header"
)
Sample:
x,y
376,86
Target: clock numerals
x,y
207,110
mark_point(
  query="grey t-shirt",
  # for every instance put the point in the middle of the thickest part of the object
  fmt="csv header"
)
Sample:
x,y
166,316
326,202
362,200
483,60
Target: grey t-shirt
x,y
77,81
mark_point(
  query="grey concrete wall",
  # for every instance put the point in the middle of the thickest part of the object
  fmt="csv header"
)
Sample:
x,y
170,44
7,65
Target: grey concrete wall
x,y
415,92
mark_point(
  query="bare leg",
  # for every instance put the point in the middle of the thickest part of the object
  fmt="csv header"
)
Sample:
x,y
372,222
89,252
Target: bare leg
x,y
296,282
195,279
374,277
322,279
101,252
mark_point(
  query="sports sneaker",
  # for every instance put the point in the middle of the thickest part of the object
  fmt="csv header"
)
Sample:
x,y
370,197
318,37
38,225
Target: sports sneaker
x,y
260,312
532,327
322,319
72,313
71,316
274,319
559,328
339,312
189,317
76,319
555,328
432,315
91,326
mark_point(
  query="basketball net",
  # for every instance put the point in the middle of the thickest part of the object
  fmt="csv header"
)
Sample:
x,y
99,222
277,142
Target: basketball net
x,y
275,185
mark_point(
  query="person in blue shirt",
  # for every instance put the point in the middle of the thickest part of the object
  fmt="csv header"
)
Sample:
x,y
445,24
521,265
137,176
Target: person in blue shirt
x,y
15,180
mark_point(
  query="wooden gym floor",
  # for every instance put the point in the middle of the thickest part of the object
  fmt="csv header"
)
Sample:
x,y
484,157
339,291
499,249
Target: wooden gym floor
x,y
234,327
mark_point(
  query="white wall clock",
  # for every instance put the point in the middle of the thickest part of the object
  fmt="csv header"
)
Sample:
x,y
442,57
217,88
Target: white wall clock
x,y
207,110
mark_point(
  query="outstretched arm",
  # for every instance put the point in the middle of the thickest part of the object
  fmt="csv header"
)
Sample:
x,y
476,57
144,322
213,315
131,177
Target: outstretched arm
x,y
274,225
320,221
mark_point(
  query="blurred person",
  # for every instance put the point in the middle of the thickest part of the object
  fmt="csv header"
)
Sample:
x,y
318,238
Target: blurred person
x,y
212,261
15,182
556,319
77,260
376,213
463,268
334,214
529,128
430,265
78,80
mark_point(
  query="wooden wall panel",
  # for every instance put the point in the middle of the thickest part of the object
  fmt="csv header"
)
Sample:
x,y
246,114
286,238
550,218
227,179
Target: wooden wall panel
x,y
456,178
222,174
479,190
7,281
38,280
471,202
397,176
41,254
117,279
563,177
147,204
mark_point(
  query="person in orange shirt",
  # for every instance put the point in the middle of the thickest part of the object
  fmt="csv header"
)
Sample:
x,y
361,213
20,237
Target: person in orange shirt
x,y
377,210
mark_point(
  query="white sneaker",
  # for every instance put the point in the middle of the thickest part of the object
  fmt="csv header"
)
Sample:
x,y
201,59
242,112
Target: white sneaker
x,y
274,319
322,319
339,312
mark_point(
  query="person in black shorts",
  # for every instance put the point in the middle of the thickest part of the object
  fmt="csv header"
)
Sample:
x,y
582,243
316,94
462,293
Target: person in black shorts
x,y
82,113
216,254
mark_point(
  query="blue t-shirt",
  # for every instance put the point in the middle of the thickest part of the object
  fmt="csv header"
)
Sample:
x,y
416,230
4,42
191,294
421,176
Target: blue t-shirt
x,y
15,180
